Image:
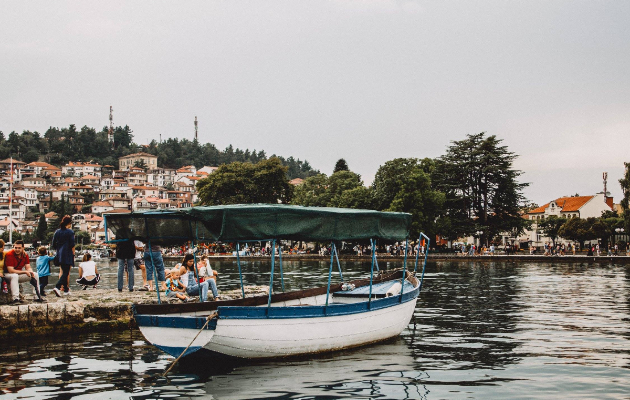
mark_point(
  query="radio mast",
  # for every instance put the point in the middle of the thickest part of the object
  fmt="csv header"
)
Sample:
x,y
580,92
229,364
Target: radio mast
x,y
196,137
110,132
11,204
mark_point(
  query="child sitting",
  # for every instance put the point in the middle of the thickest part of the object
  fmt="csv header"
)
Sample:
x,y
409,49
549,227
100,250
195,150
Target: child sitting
x,y
205,270
88,273
174,287
43,268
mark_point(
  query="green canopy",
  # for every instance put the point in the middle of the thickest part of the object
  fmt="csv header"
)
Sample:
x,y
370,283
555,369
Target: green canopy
x,y
252,222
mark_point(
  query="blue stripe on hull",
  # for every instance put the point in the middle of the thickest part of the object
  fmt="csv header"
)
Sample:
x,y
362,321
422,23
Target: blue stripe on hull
x,y
313,311
176,351
165,321
235,312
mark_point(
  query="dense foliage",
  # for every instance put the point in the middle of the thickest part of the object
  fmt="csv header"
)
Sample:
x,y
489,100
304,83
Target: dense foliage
x,y
551,226
625,202
481,187
404,185
58,146
240,183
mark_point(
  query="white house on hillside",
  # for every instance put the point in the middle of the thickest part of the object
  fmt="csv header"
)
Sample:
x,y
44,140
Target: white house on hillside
x,y
567,207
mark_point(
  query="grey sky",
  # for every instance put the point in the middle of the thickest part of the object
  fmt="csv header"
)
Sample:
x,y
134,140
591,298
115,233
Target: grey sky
x,y
368,81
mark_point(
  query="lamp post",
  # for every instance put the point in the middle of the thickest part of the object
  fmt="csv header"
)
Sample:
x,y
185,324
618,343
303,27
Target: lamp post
x,y
479,233
619,231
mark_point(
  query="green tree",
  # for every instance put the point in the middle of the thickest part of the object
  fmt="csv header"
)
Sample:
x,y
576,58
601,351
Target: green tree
x,y
42,227
601,231
576,229
240,183
360,197
404,185
339,183
550,227
341,165
5,236
271,182
625,202
30,156
141,164
82,237
482,192
341,189
312,192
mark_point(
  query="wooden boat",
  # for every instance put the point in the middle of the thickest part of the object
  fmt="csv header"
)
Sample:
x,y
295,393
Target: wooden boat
x,y
327,318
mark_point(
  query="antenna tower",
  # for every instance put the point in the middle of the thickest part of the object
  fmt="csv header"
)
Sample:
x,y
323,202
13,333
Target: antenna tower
x,y
196,137
110,132
605,176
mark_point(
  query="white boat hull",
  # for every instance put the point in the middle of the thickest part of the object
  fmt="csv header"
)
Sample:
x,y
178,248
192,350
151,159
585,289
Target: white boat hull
x,y
268,338
291,326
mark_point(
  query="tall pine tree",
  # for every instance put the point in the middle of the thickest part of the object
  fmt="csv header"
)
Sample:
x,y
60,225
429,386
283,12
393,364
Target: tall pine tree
x,y
481,187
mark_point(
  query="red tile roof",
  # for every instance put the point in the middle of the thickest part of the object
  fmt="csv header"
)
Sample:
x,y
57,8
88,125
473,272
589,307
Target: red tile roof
x,y
565,203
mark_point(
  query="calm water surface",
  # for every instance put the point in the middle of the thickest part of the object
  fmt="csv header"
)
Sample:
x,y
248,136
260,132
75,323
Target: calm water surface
x,y
480,330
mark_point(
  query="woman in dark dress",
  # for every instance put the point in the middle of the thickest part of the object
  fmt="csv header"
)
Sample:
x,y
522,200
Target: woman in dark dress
x,y
63,242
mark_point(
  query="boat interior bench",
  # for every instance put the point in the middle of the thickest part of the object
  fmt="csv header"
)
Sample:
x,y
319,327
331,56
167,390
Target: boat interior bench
x,y
379,290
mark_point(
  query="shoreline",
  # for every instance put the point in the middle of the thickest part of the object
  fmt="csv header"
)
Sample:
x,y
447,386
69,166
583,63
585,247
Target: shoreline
x,y
102,310
623,259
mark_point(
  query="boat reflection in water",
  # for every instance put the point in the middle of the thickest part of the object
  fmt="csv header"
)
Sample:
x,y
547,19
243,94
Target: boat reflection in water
x,y
384,370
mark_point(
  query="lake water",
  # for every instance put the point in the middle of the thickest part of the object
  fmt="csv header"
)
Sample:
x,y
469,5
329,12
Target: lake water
x,y
481,330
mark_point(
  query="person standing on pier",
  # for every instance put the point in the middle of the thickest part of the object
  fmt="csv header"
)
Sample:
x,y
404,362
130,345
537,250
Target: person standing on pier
x,y
125,253
153,262
63,242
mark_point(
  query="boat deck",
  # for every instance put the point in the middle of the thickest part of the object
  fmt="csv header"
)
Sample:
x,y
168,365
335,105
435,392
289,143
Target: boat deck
x,y
379,290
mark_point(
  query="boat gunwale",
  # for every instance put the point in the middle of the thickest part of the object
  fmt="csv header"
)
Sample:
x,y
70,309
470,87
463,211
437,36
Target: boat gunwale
x,y
254,302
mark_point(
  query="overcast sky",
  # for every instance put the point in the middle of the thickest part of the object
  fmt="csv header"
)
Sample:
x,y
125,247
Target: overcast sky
x,y
367,81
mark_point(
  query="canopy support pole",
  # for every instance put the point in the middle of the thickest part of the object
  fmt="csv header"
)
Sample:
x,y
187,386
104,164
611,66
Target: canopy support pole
x,y
192,242
273,264
371,274
157,286
281,274
238,262
404,271
338,264
426,254
415,268
332,255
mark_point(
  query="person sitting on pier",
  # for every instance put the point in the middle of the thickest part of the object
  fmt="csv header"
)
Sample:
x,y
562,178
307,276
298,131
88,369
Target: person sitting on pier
x,y
88,272
3,281
19,270
190,281
174,287
205,270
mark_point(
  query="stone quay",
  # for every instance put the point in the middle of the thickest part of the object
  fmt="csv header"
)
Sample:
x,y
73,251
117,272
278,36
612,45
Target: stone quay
x,y
91,310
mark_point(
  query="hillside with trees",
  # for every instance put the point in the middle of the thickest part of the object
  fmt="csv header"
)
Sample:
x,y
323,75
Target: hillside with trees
x,y
58,146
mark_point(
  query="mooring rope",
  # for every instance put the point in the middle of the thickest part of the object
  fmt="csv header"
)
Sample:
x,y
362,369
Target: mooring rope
x,y
210,318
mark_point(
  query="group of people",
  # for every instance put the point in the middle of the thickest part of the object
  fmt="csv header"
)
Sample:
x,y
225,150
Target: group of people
x,y
185,280
15,267
181,282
